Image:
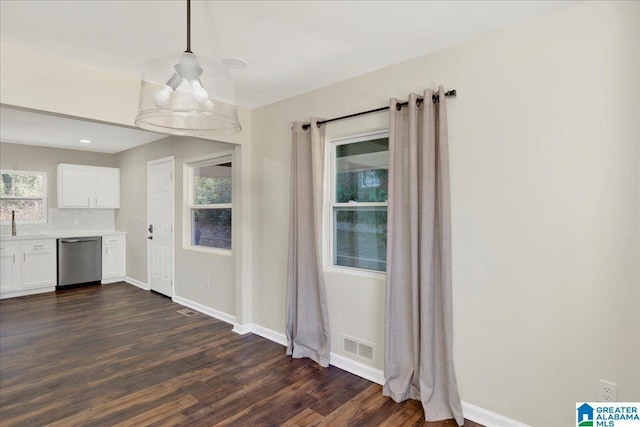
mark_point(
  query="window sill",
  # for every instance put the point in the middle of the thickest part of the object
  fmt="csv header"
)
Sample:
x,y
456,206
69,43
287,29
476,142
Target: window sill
x,y
335,269
208,250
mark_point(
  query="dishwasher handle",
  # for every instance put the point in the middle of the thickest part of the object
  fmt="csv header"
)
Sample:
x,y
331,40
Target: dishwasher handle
x,y
90,239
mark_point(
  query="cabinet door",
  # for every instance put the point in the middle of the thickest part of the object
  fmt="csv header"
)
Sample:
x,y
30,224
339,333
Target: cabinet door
x,y
9,268
113,257
76,186
107,188
38,265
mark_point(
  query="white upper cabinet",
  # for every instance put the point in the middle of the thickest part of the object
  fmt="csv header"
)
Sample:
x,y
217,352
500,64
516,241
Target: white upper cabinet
x,y
107,188
82,186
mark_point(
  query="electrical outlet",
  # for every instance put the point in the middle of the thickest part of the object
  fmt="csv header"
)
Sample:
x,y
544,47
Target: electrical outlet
x,y
206,282
607,391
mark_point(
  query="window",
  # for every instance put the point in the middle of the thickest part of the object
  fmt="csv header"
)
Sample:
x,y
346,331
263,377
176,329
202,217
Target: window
x,y
359,186
208,209
26,194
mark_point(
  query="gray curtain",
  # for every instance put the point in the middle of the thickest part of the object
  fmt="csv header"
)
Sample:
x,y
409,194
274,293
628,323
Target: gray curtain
x,y
307,321
418,329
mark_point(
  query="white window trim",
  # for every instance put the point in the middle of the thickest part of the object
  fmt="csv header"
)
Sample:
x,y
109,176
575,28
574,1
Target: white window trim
x,y
188,205
329,234
43,197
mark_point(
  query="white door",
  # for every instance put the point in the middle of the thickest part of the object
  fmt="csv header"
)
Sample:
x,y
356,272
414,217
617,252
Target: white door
x,y
160,223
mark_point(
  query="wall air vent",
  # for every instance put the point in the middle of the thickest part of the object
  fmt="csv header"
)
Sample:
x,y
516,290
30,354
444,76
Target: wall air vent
x,y
359,348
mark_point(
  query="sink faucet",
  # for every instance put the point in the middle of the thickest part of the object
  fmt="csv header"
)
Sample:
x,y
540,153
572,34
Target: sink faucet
x,y
13,223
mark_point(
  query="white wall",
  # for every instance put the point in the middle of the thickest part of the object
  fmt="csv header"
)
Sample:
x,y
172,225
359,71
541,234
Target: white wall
x,y
545,171
43,159
34,81
191,267
545,208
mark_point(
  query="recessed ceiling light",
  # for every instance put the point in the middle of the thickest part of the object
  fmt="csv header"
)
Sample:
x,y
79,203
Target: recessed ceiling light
x,y
85,141
235,63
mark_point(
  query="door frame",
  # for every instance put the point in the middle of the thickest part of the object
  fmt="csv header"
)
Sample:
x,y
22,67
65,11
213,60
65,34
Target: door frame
x,y
173,221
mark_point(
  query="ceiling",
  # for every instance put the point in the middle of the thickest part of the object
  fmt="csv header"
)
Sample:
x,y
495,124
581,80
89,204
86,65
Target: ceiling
x,y
25,127
291,47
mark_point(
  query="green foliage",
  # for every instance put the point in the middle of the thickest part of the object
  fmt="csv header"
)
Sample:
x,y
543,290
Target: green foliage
x,y
212,227
25,209
13,186
21,185
351,186
212,190
361,237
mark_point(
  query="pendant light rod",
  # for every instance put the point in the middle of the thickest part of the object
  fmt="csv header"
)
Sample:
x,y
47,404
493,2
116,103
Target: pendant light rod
x,y
197,100
188,27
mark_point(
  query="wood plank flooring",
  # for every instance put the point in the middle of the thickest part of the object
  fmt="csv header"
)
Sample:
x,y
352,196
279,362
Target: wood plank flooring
x,y
117,355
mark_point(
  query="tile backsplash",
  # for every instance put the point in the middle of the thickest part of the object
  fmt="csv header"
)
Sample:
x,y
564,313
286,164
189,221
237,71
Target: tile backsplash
x,y
63,220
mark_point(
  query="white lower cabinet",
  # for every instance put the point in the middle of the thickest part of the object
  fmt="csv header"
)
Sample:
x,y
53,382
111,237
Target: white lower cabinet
x,y
27,267
113,258
10,267
39,264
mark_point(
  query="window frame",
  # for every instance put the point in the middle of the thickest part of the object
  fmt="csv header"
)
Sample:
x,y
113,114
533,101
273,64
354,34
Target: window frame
x,y
332,145
43,197
189,206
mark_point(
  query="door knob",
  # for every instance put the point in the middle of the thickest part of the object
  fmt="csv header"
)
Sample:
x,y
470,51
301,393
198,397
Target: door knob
x,y
150,229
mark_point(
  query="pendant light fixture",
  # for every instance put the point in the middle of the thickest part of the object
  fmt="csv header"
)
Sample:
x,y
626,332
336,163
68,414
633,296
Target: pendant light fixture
x,y
187,94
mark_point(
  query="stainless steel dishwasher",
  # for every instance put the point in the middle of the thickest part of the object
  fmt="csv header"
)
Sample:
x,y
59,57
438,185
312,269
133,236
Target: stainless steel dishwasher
x,y
79,260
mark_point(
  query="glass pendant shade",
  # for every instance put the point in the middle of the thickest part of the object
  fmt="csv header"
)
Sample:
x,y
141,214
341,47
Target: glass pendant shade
x,y
187,94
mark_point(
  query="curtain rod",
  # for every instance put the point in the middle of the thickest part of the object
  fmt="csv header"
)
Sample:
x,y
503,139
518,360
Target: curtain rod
x,y
434,98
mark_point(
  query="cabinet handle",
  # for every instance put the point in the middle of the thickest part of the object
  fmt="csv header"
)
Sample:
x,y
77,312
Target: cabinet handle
x,y
38,246
24,257
14,258
88,201
96,201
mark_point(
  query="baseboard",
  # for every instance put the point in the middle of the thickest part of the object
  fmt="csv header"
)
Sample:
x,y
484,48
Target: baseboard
x,y
357,368
344,363
241,329
471,412
269,334
487,418
220,315
137,283
112,280
25,292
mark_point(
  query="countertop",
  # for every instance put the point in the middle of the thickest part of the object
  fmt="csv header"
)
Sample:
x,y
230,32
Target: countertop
x,y
60,234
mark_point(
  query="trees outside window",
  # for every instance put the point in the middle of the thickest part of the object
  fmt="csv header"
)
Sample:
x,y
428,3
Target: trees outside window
x,y
360,171
25,193
210,203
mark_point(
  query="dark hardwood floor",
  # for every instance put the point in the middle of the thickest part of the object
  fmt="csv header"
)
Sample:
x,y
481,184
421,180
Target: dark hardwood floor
x,y
117,355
